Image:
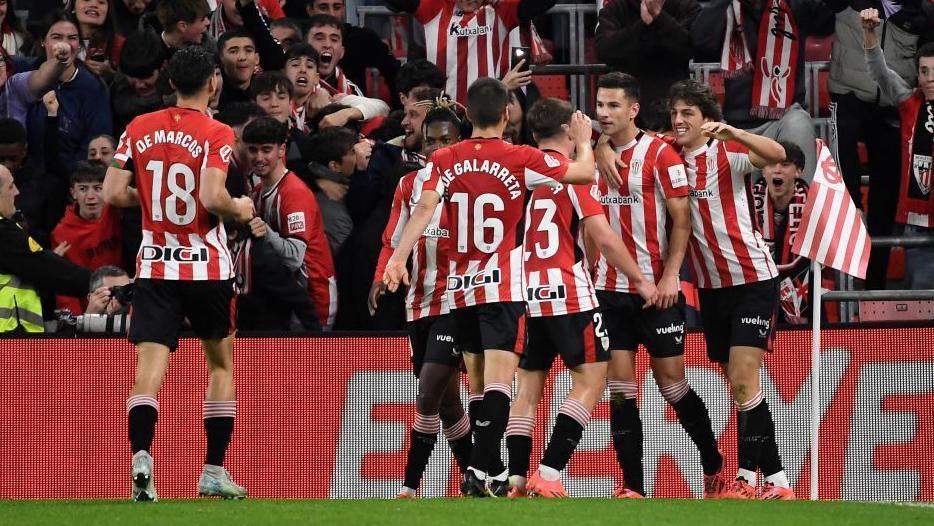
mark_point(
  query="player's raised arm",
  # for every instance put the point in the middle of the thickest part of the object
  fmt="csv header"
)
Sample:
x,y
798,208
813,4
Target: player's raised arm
x,y
117,190
396,272
762,150
582,169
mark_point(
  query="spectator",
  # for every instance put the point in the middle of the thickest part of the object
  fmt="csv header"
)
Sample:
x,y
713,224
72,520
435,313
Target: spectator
x,y
27,271
364,48
16,40
214,103
101,149
102,298
273,93
89,234
239,60
286,32
462,27
916,109
100,43
764,101
41,197
228,15
780,198
516,130
649,39
288,218
127,14
139,87
237,116
326,34
334,163
183,23
84,109
860,112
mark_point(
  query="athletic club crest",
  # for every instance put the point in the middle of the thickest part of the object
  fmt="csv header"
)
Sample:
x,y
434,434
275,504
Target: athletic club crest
x,y
635,167
921,168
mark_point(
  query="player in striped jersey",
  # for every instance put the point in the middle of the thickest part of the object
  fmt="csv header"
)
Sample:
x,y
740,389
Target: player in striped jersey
x,y
734,271
648,208
485,182
564,314
469,39
179,158
436,357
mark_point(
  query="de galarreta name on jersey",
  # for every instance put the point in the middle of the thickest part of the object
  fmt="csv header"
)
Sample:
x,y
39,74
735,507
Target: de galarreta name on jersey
x,y
486,166
170,137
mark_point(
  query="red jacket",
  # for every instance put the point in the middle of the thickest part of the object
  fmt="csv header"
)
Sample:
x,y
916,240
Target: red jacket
x,y
93,245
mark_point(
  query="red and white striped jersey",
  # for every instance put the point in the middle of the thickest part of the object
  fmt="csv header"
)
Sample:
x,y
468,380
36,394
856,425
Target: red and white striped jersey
x,y
467,46
485,183
290,209
167,150
726,248
637,211
427,295
557,279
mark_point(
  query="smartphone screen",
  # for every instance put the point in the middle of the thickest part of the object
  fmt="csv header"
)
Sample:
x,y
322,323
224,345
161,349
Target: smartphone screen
x,y
518,54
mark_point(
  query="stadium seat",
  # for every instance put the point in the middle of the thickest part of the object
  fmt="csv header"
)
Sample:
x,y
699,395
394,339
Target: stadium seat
x,y
818,48
552,86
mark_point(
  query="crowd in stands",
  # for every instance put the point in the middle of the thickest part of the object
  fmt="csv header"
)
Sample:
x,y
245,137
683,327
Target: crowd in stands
x,y
73,74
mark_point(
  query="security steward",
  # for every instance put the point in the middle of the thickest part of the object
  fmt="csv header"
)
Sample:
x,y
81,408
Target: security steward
x,y
25,267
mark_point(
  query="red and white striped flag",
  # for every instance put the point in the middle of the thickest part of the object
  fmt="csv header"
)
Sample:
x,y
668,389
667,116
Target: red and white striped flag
x,y
832,230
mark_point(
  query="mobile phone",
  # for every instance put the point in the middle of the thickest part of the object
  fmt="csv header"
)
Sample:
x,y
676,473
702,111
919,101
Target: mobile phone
x,y
520,53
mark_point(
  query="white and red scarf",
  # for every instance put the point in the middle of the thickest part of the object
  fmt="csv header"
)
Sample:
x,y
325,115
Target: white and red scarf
x,y
775,67
340,84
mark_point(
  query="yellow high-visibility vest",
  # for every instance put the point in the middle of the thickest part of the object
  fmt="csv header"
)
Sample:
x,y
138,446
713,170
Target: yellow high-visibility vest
x,y
20,305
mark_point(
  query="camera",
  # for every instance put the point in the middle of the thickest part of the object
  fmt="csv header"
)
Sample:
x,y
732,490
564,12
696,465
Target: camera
x,y
123,294
93,323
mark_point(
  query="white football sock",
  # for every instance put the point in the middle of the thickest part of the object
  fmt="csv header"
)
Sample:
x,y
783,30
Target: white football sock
x,y
779,479
748,476
548,473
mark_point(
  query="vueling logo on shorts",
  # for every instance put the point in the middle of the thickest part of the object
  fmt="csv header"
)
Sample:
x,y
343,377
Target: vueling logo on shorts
x,y
625,200
701,194
469,281
756,321
671,329
445,338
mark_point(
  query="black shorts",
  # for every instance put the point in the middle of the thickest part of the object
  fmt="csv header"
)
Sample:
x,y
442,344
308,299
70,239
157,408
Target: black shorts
x,y
579,338
160,306
432,340
661,331
743,315
498,326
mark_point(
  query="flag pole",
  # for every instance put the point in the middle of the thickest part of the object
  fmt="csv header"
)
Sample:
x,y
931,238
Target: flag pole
x,y
815,375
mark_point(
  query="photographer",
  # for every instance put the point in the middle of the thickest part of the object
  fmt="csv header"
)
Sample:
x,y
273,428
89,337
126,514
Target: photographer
x,y
111,291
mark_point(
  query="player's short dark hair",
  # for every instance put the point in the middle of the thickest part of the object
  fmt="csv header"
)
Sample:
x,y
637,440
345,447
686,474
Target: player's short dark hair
x,y
326,20
487,99
87,172
12,131
142,54
693,93
654,116
271,82
793,153
230,34
171,12
624,81
302,49
547,117
442,114
107,271
239,113
420,94
925,51
418,72
266,130
330,144
287,23
190,69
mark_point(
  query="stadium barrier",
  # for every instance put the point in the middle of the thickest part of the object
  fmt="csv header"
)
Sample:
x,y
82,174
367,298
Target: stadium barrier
x,y
328,417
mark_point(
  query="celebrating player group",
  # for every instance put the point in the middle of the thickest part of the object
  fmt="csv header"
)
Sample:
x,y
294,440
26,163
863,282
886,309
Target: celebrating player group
x,y
521,254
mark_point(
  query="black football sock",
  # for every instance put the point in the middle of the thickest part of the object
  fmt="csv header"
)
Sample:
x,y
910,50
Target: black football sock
x,y
460,441
626,430
770,462
420,447
694,418
218,426
564,439
751,418
489,427
142,414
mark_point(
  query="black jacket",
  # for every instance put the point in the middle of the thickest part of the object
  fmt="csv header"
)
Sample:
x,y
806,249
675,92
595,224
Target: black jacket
x,y
363,49
656,54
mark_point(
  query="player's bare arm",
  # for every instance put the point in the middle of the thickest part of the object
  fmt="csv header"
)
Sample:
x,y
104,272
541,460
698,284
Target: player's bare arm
x,y
609,163
580,171
117,190
396,272
600,236
679,209
762,150
213,194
